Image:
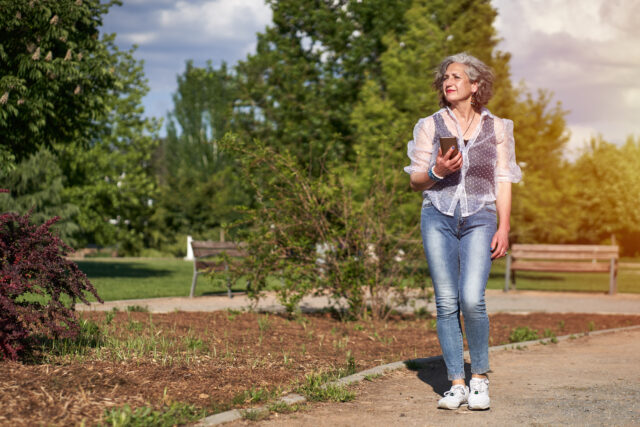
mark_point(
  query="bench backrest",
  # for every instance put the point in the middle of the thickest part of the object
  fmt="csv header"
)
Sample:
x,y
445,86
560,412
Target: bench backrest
x,y
568,252
207,248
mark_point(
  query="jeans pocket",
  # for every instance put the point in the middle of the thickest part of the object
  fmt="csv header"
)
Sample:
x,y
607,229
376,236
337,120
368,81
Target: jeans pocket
x,y
491,207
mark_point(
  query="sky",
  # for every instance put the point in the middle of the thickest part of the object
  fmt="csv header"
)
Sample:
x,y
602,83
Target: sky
x,y
586,52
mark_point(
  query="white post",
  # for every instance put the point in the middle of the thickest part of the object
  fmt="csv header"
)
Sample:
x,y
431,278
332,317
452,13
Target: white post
x,y
189,256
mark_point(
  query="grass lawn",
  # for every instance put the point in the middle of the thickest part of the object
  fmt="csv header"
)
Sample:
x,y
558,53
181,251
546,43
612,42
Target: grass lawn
x,y
628,280
131,278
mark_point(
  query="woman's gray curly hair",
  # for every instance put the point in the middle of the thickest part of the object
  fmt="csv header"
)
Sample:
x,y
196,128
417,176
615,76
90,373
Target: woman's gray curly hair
x,y
477,71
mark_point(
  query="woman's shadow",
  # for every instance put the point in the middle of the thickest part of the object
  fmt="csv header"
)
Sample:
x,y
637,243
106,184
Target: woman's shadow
x,y
433,371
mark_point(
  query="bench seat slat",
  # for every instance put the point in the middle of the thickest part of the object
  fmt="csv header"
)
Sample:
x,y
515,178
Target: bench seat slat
x,y
565,248
206,252
217,245
537,254
209,266
575,267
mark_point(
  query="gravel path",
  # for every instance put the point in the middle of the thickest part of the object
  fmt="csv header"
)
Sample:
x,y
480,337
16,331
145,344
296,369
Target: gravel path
x,y
497,301
591,380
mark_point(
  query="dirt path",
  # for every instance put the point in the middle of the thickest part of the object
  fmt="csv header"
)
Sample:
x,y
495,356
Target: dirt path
x,y
592,380
497,301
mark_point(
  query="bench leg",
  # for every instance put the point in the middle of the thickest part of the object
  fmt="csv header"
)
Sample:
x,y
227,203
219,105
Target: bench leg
x,y
193,283
507,273
613,282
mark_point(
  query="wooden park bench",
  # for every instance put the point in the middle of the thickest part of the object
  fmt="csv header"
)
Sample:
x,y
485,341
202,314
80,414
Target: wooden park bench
x,y
206,258
563,258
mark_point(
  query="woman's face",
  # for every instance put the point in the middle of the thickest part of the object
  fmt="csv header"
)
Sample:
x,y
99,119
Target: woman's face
x,y
456,85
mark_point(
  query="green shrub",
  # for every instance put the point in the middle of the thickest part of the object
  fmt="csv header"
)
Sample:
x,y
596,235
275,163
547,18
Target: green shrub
x,y
335,234
171,415
317,388
523,333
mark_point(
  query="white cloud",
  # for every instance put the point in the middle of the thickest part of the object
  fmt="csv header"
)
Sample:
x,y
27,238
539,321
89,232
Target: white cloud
x,y
632,98
622,14
587,52
567,16
217,20
170,32
140,38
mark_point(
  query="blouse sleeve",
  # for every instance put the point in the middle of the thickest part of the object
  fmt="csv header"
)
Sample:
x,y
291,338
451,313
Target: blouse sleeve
x,y
507,170
420,147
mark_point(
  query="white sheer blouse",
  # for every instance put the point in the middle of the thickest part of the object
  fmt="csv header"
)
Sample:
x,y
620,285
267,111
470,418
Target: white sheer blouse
x,y
488,158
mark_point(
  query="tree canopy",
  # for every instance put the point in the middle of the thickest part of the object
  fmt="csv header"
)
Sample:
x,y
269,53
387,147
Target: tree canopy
x,y
56,73
336,85
72,104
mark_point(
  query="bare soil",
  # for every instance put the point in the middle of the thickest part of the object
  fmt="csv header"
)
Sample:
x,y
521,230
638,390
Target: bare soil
x,y
211,359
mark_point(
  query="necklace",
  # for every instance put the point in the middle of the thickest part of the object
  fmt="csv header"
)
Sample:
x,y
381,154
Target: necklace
x,y
470,123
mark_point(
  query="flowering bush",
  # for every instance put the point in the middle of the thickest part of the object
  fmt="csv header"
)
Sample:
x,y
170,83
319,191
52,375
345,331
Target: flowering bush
x,y
38,286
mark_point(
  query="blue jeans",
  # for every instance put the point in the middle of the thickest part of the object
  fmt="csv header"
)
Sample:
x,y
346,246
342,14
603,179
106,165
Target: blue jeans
x,y
459,255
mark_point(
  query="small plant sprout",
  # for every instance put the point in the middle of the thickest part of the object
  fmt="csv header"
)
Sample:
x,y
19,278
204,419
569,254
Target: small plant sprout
x,y
264,323
523,333
561,325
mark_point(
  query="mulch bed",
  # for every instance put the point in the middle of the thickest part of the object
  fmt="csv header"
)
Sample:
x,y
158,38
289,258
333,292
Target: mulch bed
x,y
211,359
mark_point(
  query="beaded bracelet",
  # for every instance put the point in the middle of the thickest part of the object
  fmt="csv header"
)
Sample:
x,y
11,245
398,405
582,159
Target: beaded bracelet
x,y
433,175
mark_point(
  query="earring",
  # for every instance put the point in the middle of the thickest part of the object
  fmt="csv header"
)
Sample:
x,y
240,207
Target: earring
x,y
474,100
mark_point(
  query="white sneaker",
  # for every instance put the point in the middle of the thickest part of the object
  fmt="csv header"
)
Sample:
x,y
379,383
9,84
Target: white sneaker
x,y
455,397
479,394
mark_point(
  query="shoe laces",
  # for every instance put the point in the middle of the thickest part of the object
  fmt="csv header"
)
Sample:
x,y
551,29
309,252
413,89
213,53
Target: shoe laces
x,y
456,389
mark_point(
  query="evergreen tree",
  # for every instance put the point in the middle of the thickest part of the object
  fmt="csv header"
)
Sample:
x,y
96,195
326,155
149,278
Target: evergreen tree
x,y
199,186
36,185
112,181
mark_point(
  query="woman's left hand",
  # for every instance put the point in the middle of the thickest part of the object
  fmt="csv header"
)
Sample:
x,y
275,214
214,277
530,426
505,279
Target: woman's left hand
x,y
499,243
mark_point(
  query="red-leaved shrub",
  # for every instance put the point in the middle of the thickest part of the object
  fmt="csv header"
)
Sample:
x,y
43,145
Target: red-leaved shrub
x,y
38,285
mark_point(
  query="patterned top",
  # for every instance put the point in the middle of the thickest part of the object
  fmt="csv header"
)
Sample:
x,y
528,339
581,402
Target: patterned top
x,y
488,158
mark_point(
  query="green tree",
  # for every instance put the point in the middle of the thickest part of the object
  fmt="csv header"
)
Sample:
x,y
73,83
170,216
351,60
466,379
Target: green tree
x,y
111,178
72,92
36,185
55,73
390,105
202,114
542,209
297,91
607,194
433,30
199,186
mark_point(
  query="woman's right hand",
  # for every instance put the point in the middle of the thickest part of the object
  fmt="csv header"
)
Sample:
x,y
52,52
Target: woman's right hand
x,y
447,163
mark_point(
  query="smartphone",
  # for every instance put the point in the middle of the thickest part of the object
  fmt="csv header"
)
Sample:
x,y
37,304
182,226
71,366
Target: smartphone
x,y
446,142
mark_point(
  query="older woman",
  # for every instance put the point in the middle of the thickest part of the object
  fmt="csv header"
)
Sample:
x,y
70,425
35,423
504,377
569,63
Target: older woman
x,y
465,191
